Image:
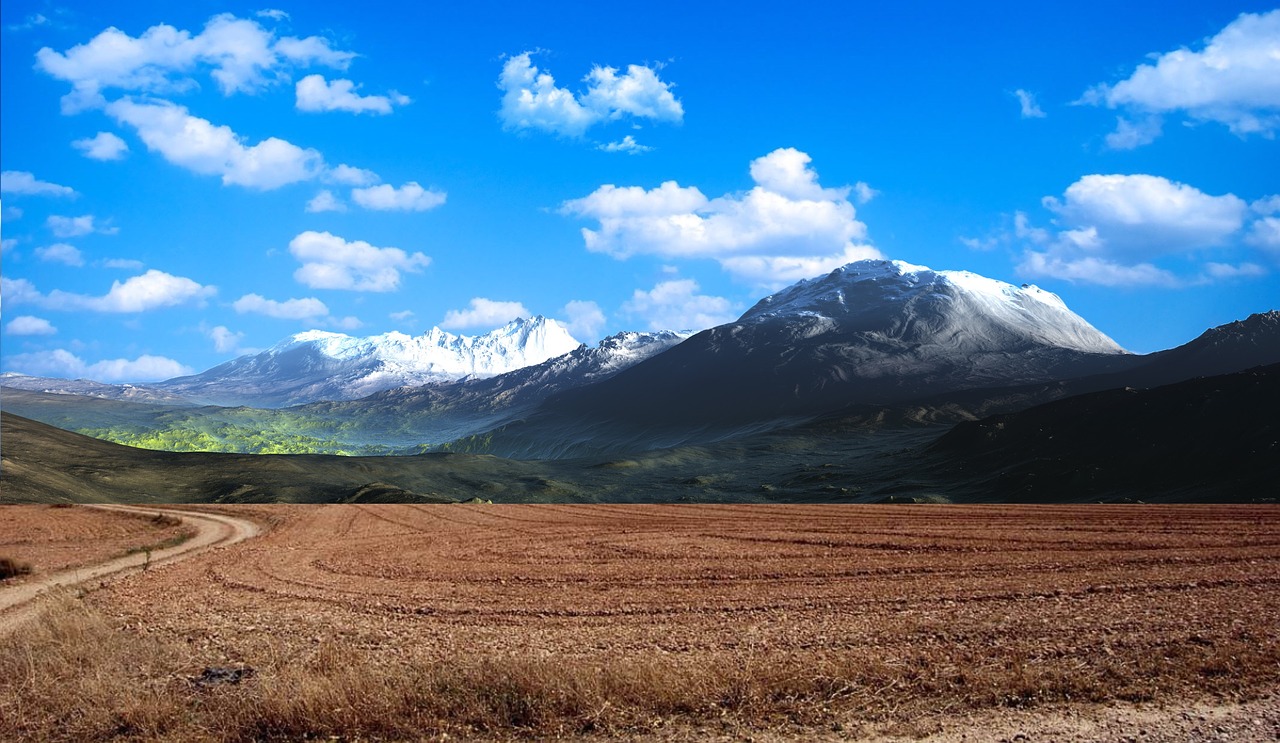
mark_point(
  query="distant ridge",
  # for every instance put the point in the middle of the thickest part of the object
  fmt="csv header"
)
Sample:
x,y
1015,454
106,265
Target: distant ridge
x,y
320,365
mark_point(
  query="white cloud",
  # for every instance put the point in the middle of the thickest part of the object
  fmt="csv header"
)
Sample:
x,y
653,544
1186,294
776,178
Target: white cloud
x,y
24,183
325,201
345,323
1094,270
60,253
1113,229
29,325
199,146
241,55
349,176
484,313
151,290
1228,271
1133,134
330,262
1267,205
402,315
1146,215
531,99
862,193
316,94
785,226
584,319
676,305
11,213
224,340
19,291
7,244
77,226
103,146
290,309
127,264
62,363
1233,80
273,13
1027,102
1265,234
628,145
408,198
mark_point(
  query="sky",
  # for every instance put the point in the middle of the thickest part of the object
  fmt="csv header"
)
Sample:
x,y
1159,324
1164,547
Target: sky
x,y
184,183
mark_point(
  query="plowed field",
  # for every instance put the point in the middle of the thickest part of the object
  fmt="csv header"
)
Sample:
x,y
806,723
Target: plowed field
x,y
52,539
611,617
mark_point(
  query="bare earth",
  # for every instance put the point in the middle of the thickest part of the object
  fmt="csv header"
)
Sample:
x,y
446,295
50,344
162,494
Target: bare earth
x,y
1066,623
53,539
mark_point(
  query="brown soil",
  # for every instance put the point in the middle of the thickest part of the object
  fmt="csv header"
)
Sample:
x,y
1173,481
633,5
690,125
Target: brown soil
x,y
828,622
52,538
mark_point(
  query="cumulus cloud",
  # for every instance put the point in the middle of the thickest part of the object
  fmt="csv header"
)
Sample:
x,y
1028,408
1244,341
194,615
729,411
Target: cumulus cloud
x,y
240,54
103,146
677,305
23,183
408,198
485,313
151,290
201,147
60,253
315,94
30,325
1027,101
786,228
1233,80
273,13
330,262
290,309
1147,215
1114,229
584,319
62,363
1265,234
224,339
349,176
325,201
532,100
629,145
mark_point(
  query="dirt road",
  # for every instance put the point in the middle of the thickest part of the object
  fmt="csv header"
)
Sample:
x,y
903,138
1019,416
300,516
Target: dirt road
x,y
212,530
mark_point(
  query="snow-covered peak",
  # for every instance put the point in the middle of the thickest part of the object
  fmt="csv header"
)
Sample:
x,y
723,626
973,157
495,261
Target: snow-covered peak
x,y
950,307
519,343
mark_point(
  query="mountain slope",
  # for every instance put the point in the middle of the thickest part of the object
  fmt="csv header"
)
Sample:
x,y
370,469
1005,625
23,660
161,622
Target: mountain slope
x,y
319,365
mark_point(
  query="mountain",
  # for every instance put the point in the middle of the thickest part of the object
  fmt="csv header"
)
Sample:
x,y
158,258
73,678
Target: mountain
x,y
870,332
1208,438
90,388
319,365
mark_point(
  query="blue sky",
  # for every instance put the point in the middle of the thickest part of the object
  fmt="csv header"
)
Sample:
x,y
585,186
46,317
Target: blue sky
x,y
186,184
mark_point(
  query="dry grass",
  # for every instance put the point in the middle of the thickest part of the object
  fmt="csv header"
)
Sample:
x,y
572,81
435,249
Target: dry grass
x,y
77,676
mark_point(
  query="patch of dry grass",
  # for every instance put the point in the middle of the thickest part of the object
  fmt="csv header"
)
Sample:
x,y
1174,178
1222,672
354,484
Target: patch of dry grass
x,y
74,675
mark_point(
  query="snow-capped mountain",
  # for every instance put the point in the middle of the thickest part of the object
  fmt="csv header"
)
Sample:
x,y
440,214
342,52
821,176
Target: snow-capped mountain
x,y
957,310
530,385
870,332
320,365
